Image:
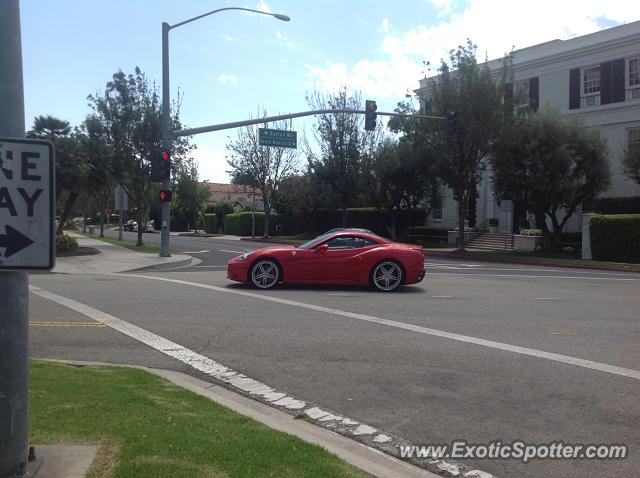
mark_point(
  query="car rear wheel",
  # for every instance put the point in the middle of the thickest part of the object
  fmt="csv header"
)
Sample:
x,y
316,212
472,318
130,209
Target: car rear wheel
x,y
265,274
387,276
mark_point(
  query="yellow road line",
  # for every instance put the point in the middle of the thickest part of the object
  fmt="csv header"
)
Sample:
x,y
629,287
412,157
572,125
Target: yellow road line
x,y
66,324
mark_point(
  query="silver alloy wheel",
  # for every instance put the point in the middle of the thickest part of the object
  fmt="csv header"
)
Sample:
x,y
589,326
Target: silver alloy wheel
x,y
265,274
387,276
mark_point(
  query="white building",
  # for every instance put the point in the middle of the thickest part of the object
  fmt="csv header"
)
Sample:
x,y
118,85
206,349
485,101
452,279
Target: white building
x,y
594,77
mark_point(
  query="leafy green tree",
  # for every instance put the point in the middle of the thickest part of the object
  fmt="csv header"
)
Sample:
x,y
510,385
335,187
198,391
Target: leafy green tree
x,y
96,149
190,195
631,162
343,146
469,89
130,110
550,166
71,166
403,178
223,208
264,167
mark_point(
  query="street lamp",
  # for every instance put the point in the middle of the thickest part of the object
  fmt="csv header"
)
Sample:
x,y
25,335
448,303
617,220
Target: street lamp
x,y
166,112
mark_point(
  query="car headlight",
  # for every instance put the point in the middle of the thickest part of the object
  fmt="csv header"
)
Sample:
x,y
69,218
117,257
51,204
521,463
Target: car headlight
x,y
244,256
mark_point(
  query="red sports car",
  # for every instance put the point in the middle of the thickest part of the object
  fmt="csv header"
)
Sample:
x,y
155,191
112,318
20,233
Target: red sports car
x,y
340,256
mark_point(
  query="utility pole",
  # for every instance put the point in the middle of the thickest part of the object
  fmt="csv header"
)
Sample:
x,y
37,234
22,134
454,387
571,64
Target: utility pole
x,y
14,285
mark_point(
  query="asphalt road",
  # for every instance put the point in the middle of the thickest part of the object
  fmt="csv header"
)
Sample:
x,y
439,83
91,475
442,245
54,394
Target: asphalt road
x,y
466,354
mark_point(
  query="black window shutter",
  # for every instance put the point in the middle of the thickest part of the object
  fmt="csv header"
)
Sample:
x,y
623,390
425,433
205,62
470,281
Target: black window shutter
x,y
618,80
534,93
606,83
574,88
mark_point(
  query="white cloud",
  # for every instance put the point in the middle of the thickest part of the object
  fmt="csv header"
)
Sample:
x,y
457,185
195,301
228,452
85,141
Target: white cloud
x,y
279,35
211,164
494,25
263,7
227,38
385,26
228,79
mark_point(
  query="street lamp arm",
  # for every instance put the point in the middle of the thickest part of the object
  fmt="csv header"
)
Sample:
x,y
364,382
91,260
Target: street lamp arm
x,y
279,16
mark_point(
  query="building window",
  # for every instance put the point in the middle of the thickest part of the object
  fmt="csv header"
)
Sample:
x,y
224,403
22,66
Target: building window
x,y
633,70
591,80
521,93
436,214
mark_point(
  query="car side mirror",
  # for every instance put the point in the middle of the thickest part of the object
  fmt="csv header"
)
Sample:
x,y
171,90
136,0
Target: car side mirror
x,y
322,249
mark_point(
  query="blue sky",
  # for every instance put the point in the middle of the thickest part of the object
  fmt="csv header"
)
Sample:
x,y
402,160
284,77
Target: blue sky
x,y
232,64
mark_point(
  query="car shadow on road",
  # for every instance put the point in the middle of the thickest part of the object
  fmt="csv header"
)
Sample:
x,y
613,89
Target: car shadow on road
x,y
347,289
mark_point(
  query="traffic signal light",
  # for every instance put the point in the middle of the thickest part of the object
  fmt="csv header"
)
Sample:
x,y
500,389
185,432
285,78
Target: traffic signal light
x,y
165,164
370,108
165,196
452,123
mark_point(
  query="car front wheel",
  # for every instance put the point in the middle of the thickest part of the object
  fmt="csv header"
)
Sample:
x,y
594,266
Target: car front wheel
x,y
387,276
265,274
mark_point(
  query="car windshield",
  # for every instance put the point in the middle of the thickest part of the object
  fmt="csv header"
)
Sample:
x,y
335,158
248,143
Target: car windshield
x,y
314,242
317,240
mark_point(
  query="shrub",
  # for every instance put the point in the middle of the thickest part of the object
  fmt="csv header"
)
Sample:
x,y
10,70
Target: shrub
x,y
617,205
615,238
239,224
66,243
530,232
210,221
428,231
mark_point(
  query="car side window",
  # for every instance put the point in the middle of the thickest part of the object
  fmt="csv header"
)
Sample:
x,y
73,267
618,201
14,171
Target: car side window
x,y
348,242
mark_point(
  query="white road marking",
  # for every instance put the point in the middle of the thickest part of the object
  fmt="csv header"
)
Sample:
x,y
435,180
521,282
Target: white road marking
x,y
233,252
213,368
536,277
196,252
204,267
567,359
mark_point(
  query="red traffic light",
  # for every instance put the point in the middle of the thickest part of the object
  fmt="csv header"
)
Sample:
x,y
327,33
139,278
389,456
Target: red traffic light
x,y
165,196
372,106
164,155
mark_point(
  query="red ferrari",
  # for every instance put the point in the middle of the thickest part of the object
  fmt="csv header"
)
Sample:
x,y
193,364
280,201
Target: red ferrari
x,y
340,256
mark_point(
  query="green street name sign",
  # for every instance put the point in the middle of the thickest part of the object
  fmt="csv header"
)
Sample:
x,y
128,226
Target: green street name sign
x,y
278,138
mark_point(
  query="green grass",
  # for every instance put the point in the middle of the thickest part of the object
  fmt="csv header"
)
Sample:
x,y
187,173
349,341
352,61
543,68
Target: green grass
x,y
127,244
148,427
544,257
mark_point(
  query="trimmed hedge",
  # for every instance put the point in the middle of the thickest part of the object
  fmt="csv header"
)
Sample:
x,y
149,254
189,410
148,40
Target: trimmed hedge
x,y
617,205
615,238
239,224
210,223
371,218
428,231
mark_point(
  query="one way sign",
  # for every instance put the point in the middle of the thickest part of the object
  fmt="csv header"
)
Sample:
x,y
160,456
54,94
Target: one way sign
x,y
27,204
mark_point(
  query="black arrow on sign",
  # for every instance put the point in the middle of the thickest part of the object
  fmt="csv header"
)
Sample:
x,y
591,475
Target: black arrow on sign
x,y
13,241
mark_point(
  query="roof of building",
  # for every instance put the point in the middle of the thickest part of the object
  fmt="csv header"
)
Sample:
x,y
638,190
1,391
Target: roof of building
x,y
229,188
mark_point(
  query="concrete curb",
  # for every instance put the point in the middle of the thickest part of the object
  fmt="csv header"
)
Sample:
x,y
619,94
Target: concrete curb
x,y
369,460
451,255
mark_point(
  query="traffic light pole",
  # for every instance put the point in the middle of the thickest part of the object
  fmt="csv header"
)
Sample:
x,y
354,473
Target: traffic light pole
x,y
165,206
14,285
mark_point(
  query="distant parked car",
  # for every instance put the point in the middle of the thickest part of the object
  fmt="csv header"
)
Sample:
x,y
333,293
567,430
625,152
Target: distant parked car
x,y
130,225
148,228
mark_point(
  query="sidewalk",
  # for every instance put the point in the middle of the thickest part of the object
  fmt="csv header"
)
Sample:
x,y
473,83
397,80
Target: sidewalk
x,y
110,259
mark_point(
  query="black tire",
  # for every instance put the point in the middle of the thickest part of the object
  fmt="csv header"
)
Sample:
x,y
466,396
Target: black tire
x,y
387,276
265,274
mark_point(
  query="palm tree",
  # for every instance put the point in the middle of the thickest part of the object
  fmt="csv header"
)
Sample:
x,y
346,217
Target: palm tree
x,y
70,165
